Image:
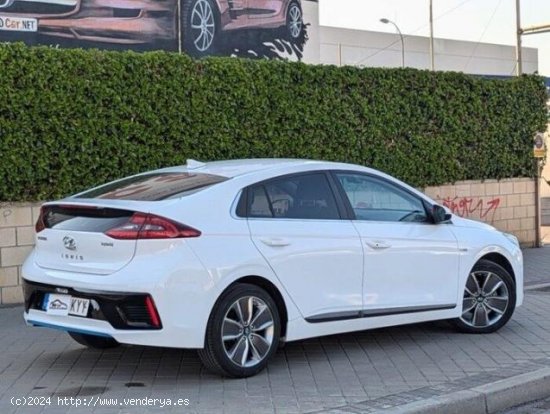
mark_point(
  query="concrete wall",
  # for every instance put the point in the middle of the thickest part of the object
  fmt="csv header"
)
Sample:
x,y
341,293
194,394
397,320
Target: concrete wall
x,y
312,47
16,241
365,48
509,205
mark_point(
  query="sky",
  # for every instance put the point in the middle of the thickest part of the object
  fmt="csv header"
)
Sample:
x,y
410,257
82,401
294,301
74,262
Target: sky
x,y
488,21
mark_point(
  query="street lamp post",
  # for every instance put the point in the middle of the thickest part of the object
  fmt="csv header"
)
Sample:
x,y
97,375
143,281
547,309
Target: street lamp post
x,y
519,59
537,29
386,21
432,51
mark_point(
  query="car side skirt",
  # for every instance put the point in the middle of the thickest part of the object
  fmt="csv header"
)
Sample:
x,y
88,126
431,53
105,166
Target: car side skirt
x,y
299,329
371,313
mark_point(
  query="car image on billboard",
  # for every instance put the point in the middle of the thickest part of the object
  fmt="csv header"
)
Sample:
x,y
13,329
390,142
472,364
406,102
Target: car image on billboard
x,y
197,27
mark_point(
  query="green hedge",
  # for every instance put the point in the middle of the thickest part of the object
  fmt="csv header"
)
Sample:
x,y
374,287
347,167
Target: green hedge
x,y
71,119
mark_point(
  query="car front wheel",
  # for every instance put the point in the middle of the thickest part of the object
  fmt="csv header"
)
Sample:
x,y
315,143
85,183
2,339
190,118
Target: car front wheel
x,y
242,333
489,299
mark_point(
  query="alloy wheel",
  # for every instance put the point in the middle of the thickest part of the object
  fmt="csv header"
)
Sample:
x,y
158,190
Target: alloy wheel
x,y
486,299
203,25
295,21
247,331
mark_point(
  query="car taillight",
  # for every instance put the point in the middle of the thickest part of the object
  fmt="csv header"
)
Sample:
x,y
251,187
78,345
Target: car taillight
x,y
149,226
40,225
152,312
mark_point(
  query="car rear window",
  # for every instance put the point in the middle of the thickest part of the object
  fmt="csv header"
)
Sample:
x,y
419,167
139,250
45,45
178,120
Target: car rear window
x,y
154,187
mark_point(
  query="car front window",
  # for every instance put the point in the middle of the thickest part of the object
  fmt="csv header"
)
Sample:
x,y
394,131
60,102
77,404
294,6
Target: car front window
x,y
374,199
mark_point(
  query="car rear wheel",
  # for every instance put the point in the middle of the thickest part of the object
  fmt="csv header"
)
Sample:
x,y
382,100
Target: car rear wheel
x,y
92,341
489,299
199,24
294,21
243,332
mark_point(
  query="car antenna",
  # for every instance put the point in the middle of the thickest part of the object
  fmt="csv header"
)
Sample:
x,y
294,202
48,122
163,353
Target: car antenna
x,y
194,164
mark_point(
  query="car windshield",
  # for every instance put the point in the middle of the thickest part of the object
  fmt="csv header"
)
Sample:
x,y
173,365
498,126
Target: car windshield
x,y
154,186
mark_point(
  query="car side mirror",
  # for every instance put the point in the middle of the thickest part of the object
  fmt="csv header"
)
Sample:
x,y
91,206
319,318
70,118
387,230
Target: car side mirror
x,y
439,214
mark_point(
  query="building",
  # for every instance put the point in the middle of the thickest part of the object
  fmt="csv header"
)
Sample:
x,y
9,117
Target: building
x,y
367,48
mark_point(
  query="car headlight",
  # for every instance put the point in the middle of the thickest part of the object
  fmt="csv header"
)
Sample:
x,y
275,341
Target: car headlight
x,y
512,238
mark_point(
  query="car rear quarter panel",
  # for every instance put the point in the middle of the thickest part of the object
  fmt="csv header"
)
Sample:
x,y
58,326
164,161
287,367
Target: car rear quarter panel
x,y
225,248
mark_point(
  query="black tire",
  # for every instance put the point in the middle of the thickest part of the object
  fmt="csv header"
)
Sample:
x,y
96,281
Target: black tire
x,y
192,43
496,269
93,341
214,356
293,33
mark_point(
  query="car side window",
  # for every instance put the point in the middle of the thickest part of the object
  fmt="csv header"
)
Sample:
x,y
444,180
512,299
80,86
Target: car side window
x,y
304,196
259,206
374,199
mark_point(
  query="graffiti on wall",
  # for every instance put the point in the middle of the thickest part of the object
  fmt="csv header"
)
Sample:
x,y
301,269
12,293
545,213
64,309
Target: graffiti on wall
x,y
472,207
251,28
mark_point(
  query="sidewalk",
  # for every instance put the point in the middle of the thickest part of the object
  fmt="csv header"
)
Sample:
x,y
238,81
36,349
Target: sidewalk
x,y
370,371
536,266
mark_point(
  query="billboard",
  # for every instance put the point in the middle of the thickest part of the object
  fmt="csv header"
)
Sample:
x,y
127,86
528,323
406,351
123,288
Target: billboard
x,y
246,28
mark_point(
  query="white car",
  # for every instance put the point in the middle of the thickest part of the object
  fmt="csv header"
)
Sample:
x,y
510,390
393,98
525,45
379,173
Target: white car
x,y
234,257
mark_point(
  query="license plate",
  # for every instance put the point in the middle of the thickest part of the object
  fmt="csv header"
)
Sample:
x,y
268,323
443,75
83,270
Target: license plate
x,y
55,304
18,24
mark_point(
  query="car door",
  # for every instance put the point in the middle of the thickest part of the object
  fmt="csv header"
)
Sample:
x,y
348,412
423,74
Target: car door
x,y
234,14
411,264
265,9
240,6
295,222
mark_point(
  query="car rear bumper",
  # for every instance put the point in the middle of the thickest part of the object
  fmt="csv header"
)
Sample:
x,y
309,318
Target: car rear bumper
x,y
126,311
108,316
174,280
99,328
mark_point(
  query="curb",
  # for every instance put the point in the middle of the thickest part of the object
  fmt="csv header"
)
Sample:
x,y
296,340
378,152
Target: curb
x,y
485,399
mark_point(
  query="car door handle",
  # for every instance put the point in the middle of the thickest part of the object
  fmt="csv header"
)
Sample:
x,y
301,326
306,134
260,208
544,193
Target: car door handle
x,y
377,245
275,241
